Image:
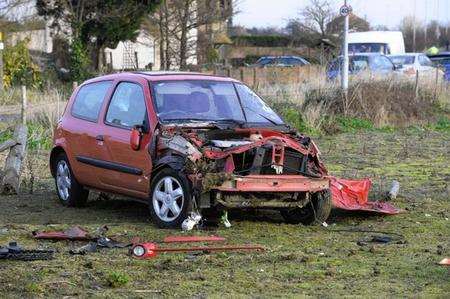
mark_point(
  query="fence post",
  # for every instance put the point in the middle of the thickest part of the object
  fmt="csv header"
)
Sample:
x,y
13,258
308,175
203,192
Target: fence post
x,y
23,114
241,74
74,85
436,84
416,86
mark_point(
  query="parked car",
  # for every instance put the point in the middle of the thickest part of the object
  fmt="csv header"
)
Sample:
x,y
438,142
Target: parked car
x,y
410,63
373,63
184,141
283,61
442,60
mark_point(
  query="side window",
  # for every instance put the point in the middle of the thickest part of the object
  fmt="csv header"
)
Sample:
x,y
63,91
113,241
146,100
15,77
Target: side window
x,y
425,61
89,100
386,63
127,106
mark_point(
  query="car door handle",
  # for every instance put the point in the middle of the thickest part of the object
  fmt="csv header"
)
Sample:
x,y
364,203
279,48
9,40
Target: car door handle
x,y
99,138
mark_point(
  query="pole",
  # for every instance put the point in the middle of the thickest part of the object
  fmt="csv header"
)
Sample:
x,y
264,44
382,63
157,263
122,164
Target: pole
x,y
414,27
1,61
344,76
24,105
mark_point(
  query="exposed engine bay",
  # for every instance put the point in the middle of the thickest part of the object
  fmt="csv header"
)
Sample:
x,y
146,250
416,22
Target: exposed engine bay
x,y
244,167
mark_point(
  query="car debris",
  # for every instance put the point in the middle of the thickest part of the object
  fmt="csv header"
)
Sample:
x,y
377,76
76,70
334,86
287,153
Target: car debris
x,y
150,250
353,195
75,233
445,262
15,252
392,194
101,242
192,221
189,239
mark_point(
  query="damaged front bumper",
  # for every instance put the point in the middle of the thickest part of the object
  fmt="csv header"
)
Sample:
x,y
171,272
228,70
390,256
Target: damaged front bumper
x,y
274,183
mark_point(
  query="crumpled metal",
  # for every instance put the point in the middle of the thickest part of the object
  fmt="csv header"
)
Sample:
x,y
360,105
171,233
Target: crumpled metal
x,y
353,195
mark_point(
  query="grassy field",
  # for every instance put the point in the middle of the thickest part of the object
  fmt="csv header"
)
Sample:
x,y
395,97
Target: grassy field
x,y
312,261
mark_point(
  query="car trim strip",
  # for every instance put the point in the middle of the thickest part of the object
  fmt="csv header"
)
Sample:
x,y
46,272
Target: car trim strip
x,y
109,165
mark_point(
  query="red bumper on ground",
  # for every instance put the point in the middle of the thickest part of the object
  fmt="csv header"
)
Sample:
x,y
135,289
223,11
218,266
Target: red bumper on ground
x,y
353,195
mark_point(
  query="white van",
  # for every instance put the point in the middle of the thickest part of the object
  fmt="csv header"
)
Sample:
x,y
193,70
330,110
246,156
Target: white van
x,y
384,42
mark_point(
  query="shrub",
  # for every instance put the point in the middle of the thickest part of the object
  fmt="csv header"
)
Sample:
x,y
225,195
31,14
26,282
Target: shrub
x,y
117,279
19,68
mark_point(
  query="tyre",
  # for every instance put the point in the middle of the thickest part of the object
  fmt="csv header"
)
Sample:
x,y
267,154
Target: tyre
x,y
70,192
170,198
316,211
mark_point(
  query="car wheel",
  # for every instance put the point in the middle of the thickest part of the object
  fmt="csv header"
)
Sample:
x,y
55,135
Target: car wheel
x,y
170,198
316,211
70,192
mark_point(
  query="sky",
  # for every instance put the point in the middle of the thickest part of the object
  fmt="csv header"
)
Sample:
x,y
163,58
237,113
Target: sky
x,y
275,13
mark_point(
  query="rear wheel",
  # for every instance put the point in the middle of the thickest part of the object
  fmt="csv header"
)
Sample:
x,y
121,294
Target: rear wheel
x,y
316,211
170,198
70,192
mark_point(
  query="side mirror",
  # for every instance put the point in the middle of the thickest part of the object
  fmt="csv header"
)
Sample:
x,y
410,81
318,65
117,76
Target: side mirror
x,y
398,66
135,138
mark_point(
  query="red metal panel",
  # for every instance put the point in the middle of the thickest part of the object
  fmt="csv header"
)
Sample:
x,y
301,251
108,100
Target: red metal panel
x,y
275,183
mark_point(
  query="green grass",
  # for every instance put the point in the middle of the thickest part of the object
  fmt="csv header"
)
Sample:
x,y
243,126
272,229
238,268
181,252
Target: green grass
x,y
298,261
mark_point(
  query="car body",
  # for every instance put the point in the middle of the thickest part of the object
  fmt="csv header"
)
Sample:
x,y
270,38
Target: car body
x,y
281,61
183,142
442,60
411,63
373,63
383,42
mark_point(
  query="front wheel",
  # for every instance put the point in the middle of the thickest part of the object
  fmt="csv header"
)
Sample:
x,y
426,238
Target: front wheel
x,y
170,198
316,211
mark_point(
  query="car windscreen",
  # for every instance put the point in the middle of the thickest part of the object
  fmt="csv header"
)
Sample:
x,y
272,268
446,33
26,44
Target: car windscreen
x,y
402,59
210,101
368,48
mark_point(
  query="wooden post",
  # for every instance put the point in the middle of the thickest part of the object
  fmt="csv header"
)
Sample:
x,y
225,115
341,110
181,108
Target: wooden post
x,y
136,59
436,84
23,112
416,86
1,61
74,85
13,166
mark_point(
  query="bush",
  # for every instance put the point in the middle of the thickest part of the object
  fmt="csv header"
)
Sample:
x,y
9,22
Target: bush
x,y
19,68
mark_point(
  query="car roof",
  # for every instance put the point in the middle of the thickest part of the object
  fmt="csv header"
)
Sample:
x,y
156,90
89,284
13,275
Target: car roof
x,y
162,76
283,56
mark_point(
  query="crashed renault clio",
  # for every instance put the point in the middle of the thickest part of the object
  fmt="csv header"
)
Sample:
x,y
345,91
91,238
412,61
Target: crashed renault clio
x,y
184,142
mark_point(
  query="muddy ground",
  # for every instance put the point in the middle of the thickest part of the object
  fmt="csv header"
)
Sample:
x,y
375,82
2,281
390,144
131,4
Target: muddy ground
x,y
313,261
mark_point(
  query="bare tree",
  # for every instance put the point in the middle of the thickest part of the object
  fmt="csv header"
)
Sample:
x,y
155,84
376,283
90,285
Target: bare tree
x,y
317,15
179,23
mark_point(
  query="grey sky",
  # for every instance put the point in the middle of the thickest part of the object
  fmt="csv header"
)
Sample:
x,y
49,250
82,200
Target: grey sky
x,y
262,13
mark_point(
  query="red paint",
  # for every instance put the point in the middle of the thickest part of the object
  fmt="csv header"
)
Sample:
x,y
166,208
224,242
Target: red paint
x,y
353,195
151,249
135,139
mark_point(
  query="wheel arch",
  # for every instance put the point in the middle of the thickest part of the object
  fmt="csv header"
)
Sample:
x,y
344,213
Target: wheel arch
x,y
56,151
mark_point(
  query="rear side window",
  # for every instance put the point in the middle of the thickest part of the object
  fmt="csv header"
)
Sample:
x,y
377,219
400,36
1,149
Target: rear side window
x,y
89,99
127,108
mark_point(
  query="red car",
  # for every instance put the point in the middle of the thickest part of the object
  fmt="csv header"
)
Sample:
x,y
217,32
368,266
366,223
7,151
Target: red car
x,y
185,142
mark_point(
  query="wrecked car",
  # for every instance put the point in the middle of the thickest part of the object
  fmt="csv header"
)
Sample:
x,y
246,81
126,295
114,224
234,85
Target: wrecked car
x,y
185,142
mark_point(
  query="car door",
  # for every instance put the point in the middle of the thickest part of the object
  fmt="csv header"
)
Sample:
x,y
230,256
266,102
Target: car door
x,y
129,169
425,65
81,130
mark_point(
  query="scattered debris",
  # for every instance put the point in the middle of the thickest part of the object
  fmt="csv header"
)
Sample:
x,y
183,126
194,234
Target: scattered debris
x,y
75,233
353,195
150,250
392,194
16,252
225,220
193,220
445,262
189,239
